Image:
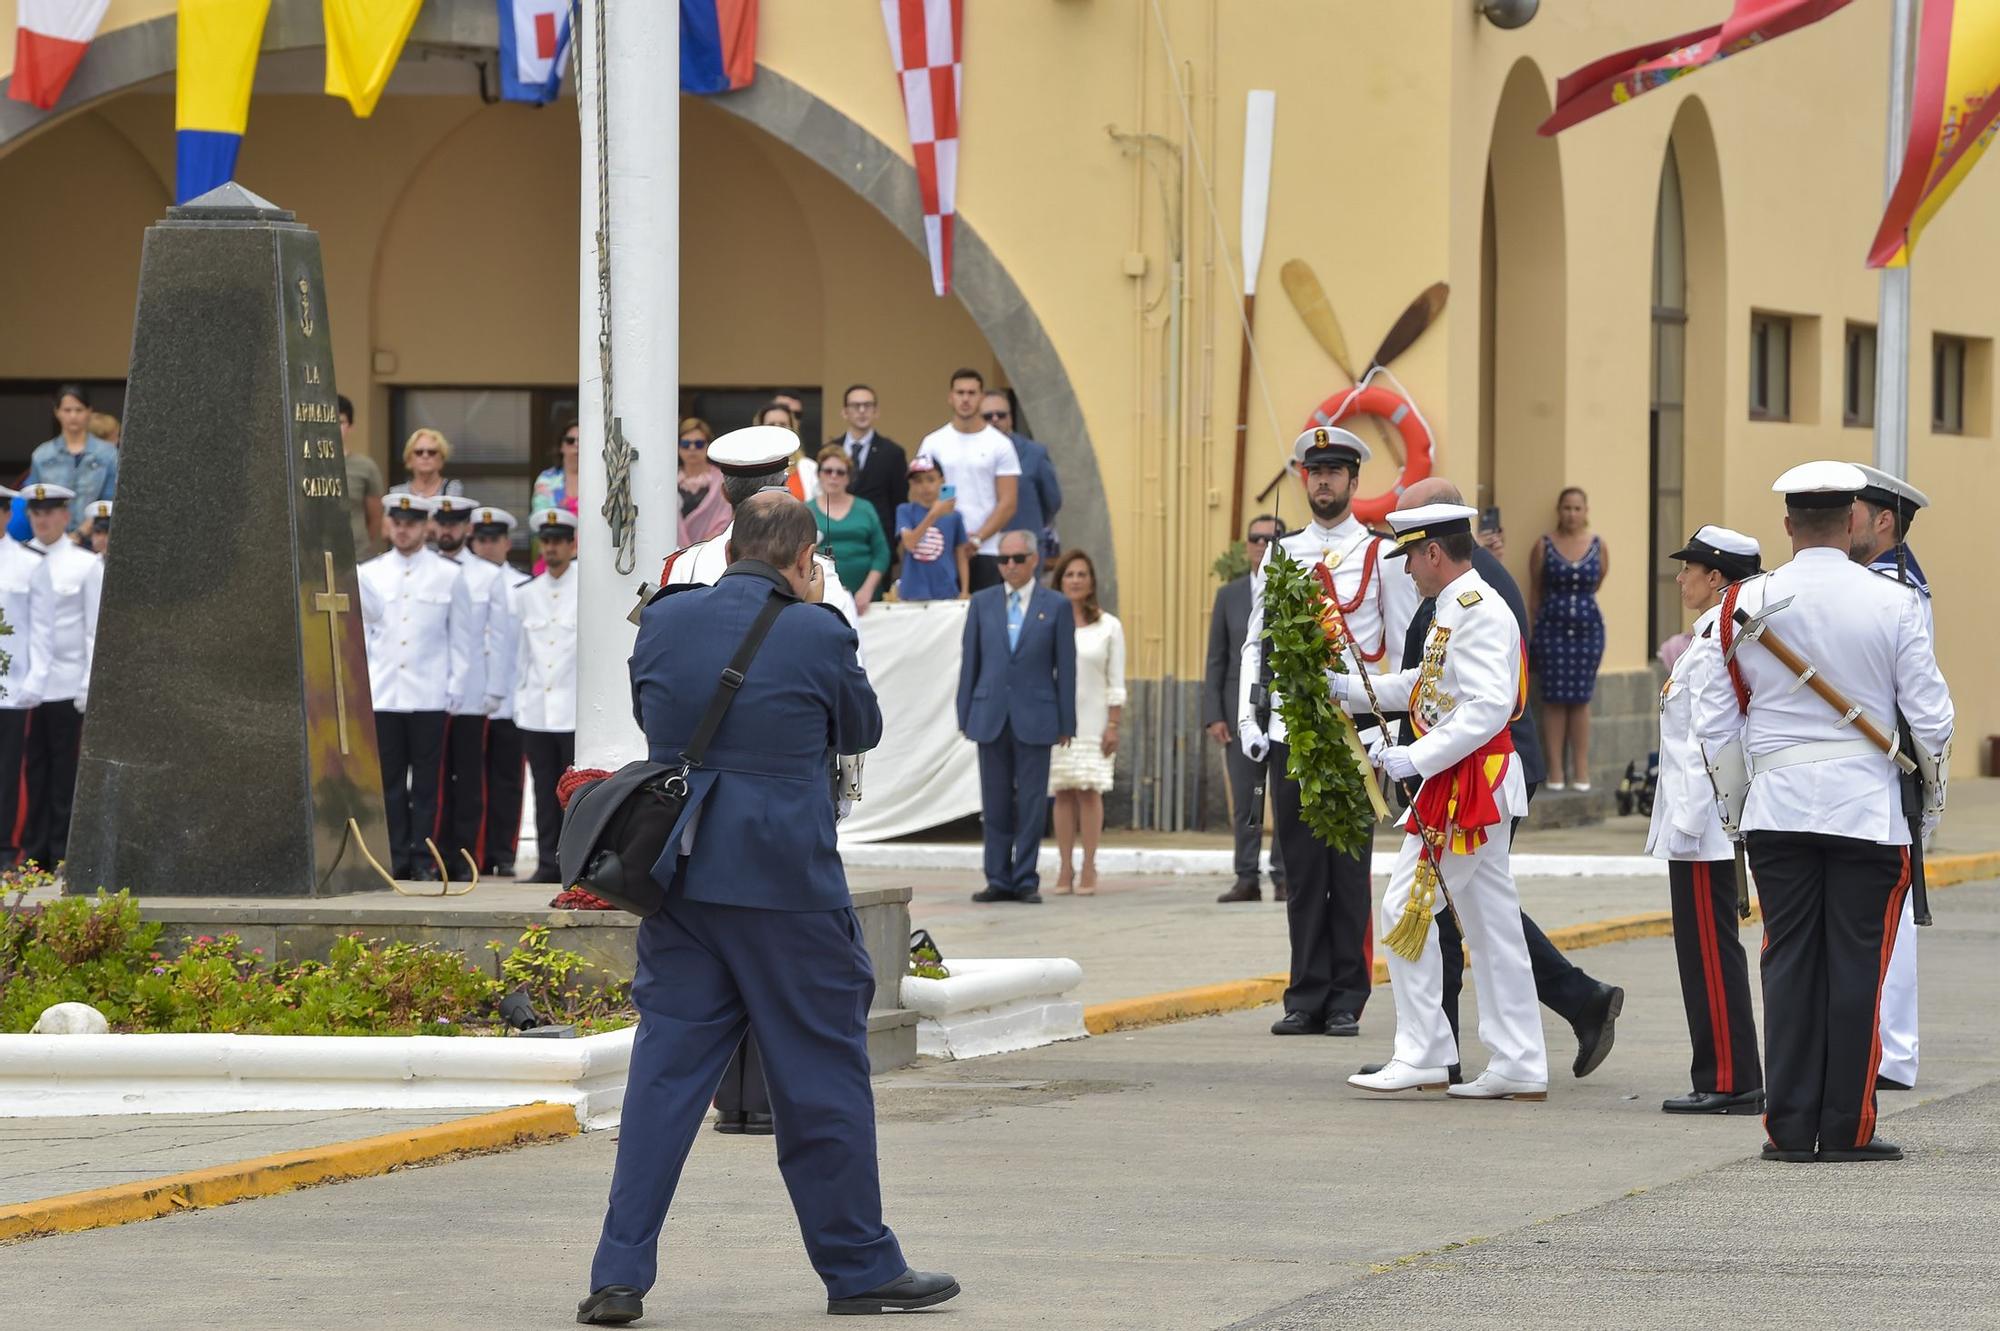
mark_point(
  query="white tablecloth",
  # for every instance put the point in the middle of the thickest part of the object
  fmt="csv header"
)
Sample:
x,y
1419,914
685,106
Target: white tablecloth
x,y
923,774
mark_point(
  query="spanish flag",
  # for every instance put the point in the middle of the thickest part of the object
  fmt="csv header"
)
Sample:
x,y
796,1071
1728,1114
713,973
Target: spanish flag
x,y
364,39
219,40
1954,115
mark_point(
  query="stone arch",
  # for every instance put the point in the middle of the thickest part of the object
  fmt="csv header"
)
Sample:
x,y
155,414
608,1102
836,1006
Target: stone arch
x,y
124,57
1706,242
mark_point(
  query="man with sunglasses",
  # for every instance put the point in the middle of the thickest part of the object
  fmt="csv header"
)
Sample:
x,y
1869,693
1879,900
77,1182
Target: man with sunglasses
x,y
1040,493
881,467
1228,624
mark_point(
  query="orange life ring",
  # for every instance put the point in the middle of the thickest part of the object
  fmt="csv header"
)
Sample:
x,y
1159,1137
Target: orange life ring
x,y
1400,413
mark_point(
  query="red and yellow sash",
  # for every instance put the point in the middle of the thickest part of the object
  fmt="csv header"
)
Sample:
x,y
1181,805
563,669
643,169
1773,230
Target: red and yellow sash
x,y
1461,798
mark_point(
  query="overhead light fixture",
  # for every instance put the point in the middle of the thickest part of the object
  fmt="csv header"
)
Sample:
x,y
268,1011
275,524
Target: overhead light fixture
x,y
1508,13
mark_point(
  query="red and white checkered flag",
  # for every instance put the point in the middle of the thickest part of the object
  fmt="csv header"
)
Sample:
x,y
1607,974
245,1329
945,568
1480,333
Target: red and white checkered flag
x,y
925,43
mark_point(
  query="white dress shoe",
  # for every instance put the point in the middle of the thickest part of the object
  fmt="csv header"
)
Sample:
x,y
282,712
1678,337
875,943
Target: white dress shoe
x,y
1490,1085
1399,1076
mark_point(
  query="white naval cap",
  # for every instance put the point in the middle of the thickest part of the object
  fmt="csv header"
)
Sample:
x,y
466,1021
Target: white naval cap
x,y
451,508
408,506
493,517
1824,484
1730,553
99,511
753,450
1427,523
1892,492
1328,443
47,494
549,519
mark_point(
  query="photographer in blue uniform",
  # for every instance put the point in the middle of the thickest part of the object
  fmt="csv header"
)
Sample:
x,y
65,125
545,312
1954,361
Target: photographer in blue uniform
x,y
757,928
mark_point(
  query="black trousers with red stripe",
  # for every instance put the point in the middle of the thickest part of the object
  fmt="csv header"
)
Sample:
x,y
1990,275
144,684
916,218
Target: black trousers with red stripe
x,y
1831,907
464,795
13,789
412,751
54,743
1715,977
550,754
506,776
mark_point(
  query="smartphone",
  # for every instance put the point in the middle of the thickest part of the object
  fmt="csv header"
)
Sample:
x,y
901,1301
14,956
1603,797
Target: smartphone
x,y
1489,519
948,492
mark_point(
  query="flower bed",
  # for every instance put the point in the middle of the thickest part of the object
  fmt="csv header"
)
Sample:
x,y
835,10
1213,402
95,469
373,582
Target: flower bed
x,y
99,951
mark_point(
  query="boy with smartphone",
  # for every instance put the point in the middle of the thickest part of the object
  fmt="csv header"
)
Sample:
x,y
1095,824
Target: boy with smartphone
x,y
937,552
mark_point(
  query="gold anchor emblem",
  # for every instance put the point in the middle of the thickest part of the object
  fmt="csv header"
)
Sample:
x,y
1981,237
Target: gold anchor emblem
x,y
305,307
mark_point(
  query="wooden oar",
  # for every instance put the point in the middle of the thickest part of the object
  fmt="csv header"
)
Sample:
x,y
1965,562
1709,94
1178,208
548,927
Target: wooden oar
x,y
1308,297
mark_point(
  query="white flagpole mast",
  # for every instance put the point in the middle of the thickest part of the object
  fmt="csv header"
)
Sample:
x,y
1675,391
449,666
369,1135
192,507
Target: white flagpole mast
x,y
631,188
1892,336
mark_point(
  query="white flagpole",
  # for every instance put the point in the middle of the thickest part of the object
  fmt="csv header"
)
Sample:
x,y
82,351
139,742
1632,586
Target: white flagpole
x,y
1892,334
642,128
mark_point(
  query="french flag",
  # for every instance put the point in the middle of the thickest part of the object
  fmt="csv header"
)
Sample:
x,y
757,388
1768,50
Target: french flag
x,y
718,45
51,38
534,38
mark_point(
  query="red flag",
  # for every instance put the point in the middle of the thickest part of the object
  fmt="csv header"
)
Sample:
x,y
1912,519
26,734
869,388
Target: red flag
x,y
1617,79
51,38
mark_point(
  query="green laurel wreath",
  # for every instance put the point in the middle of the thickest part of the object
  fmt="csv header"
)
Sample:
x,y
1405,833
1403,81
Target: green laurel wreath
x,y
1333,796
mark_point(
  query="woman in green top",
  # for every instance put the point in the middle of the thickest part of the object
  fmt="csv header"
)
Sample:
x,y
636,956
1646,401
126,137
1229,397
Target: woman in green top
x,y
849,533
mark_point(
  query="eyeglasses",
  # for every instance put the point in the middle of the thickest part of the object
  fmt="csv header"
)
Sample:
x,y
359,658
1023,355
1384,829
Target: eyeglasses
x,y
861,406
685,443
1014,559
423,452
833,471
996,415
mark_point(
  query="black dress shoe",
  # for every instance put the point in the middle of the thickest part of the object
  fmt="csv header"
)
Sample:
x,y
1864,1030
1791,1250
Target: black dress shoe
x,y
1343,1023
758,1125
1246,889
614,1305
1453,1073
912,1289
730,1121
1597,1028
1281,892
1298,1023
986,895
1876,1149
1883,1083
1030,898
548,873
1715,1102
1789,1157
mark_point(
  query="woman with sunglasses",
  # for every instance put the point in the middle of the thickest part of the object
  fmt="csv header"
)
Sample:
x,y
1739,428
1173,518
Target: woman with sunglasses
x,y
558,483
424,455
704,510
849,532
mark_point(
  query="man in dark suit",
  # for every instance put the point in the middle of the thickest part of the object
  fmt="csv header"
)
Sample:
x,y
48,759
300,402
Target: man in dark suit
x,y
1040,497
881,469
1228,622
758,928
1590,1006
1016,701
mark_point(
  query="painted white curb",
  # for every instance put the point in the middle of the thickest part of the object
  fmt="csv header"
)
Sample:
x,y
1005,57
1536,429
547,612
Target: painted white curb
x,y
995,1006
66,1075
1216,863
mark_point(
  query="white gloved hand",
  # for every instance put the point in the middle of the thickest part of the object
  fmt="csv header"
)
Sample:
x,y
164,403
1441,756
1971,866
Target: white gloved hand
x,y
492,703
27,702
1256,744
1340,685
453,703
1683,845
1396,762
79,701
1929,826
841,808
1376,748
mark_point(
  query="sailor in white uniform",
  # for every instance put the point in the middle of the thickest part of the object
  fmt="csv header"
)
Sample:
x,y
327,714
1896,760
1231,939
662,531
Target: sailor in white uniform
x,y
1889,505
18,563
492,540
1686,831
462,796
411,598
1462,698
1823,820
1328,895
62,618
545,678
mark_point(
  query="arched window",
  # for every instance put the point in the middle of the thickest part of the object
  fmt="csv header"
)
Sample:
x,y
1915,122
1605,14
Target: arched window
x,y
1668,410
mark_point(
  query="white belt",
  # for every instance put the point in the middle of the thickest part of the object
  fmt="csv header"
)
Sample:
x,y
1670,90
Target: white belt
x,y
1818,751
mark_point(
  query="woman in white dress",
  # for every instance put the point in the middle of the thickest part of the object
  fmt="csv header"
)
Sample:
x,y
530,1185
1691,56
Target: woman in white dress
x,y
1081,772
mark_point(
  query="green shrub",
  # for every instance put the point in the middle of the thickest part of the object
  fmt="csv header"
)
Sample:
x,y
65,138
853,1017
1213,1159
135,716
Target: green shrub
x,y
549,975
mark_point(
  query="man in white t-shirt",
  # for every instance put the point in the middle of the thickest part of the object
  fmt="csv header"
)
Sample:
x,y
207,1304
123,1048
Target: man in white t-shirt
x,y
981,463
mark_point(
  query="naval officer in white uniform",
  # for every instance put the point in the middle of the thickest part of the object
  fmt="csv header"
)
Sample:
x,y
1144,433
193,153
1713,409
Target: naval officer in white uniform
x,y
18,562
62,619
545,611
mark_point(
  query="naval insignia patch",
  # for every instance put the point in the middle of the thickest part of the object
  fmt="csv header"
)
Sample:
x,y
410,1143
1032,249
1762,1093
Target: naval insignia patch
x,y
1468,599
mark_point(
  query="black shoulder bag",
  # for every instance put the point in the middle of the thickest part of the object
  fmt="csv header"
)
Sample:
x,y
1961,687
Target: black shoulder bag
x,y
616,829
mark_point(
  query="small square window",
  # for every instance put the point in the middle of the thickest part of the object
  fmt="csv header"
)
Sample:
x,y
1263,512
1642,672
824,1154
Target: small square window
x,y
1858,400
1948,364
1770,367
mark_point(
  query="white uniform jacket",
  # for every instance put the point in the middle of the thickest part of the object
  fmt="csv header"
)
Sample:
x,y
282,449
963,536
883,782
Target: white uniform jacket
x,y
1870,638
62,614
410,605
704,561
545,685
18,563
1378,623
469,662
1466,689
503,641
1683,798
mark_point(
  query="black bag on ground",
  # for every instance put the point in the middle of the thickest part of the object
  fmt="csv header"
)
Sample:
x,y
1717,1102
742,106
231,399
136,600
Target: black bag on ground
x,y
615,830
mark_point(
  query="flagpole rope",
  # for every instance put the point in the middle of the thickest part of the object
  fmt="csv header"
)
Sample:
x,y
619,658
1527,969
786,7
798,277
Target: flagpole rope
x,y
620,513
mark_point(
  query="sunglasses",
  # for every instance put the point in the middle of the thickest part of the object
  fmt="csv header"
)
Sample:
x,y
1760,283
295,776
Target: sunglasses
x,y
996,415
685,443
423,452
833,471
1013,559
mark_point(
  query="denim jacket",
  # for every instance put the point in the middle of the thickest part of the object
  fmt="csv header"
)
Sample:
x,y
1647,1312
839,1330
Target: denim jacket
x,y
93,473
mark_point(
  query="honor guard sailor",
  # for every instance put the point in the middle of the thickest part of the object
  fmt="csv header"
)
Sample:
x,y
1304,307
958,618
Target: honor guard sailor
x,y
1687,832
545,679
18,562
492,539
411,599
462,797
1462,698
1889,504
62,619
1327,901
96,531
1819,656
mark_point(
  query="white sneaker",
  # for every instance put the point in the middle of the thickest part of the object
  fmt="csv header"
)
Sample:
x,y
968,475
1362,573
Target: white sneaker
x,y
1490,1085
1400,1076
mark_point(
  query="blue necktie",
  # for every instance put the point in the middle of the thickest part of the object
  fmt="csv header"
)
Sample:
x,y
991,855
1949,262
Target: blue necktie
x,y
1014,612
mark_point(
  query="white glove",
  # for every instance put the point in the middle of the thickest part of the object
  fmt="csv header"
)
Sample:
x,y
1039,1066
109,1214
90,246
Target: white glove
x,y
1683,845
1340,685
841,808
492,703
1929,826
78,701
1255,742
28,701
1396,762
1376,748
453,703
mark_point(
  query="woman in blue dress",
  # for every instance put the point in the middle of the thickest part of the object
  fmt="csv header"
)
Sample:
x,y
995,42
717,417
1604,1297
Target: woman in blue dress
x,y
1565,570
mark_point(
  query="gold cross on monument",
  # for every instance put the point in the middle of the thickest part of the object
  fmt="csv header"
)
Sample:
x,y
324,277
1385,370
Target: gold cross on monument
x,y
333,605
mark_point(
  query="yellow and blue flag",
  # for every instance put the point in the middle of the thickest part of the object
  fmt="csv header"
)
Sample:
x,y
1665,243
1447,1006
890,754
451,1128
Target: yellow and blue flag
x,y
364,39
1954,115
219,40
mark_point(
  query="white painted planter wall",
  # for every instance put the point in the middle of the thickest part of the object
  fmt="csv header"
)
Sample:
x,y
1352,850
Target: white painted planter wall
x,y
995,1006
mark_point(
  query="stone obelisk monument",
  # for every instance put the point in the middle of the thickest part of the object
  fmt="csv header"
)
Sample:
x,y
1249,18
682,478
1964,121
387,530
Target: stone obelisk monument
x,y
229,748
